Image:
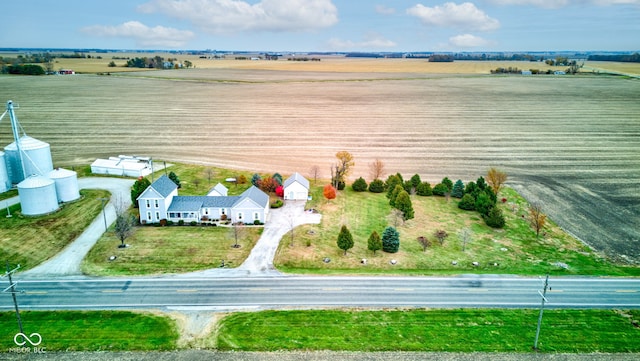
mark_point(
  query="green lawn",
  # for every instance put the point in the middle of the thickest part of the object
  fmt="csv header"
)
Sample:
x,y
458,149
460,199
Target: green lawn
x,y
29,241
513,250
171,249
463,330
91,330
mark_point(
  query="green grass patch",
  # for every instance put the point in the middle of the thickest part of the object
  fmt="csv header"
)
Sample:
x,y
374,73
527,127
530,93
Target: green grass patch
x,y
6,195
170,249
463,330
515,249
29,241
91,330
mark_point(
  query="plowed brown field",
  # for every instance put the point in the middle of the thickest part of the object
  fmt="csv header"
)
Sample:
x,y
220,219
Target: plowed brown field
x,y
570,142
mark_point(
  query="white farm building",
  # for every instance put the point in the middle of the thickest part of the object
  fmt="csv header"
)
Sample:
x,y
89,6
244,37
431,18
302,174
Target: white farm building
x,y
122,165
296,188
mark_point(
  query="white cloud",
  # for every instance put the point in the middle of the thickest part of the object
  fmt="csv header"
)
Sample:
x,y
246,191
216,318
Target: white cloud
x,y
467,41
228,16
146,37
383,10
554,4
371,41
464,16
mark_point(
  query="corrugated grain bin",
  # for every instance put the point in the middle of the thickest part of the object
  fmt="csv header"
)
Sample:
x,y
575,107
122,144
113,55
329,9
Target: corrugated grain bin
x,y
37,158
66,184
37,195
5,183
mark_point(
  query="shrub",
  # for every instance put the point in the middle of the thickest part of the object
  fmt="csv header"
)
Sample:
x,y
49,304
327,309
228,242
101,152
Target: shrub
x,y
483,203
360,185
403,204
257,222
393,195
376,186
392,181
494,219
424,189
193,223
440,189
163,222
170,223
277,204
447,182
181,222
390,240
345,239
374,243
329,192
467,203
341,185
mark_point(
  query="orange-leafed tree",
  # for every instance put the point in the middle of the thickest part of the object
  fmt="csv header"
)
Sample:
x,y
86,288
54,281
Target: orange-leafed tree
x,y
329,192
537,219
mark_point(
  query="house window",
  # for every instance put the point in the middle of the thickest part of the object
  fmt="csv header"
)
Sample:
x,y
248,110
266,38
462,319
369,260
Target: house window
x,y
206,211
239,216
223,211
148,203
157,216
156,203
256,216
148,216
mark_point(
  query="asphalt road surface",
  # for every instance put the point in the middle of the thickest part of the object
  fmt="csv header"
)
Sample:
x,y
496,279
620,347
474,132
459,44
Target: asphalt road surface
x,y
230,294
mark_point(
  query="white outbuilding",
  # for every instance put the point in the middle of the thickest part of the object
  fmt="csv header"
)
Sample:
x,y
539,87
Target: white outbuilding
x,y
123,166
296,187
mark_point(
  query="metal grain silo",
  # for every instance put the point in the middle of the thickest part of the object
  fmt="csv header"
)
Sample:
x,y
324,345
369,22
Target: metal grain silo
x,y
37,195
66,184
36,155
5,183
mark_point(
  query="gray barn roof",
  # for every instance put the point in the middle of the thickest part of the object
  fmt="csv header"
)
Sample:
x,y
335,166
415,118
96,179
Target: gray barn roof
x,y
297,177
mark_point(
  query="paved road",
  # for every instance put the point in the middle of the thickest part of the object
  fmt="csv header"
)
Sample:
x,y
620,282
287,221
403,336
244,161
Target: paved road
x,y
230,294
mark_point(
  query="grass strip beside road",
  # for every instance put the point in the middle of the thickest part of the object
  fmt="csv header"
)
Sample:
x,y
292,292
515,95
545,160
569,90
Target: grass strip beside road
x,y
91,330
29,241
460,330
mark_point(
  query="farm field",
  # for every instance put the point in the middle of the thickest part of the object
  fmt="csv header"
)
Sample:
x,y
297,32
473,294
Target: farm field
x,y
570,142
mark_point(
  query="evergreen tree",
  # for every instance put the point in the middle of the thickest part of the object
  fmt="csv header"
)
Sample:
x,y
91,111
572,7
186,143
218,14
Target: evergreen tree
x,y
458,189
467,203
390,240
481,183
175,179
494,219
138,188
408,186
278,178
424,189
391,183
416,181
403,203
447,182
483,203
345,239
255,179
394,195
472,189
375,243
360,185
440,189
376,186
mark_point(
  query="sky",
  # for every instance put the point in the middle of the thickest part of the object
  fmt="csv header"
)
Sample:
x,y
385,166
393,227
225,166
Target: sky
x,y
324,25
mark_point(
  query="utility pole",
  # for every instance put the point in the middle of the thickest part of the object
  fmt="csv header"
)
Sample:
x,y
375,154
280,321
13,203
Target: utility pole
x,y
12,289
104,215
544,299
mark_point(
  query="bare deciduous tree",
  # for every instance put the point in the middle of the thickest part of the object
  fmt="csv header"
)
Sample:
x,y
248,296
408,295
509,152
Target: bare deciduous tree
x,y
210,173
315,173
537,219
343,168
396,217
238,232
496,179
376,169
125,221
465,237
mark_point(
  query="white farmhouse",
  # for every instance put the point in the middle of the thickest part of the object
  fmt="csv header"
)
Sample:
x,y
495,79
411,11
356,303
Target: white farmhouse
x,y
161,201
296,187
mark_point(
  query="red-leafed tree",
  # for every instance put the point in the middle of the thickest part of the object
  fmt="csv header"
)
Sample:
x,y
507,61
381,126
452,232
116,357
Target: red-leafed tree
x,y
280,191
329,192
268,184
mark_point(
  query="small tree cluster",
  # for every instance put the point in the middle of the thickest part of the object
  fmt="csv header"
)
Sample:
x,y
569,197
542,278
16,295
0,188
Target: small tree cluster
x,y
139,186
480,197
175,179
345,239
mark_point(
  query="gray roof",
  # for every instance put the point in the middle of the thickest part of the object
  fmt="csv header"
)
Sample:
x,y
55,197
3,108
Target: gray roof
x,y
220,189
254,193
220,202
297,177
164,186
186,204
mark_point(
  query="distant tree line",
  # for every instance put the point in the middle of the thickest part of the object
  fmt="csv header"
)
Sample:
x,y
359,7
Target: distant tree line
x,y
23,69
304,59
633,58
441,58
